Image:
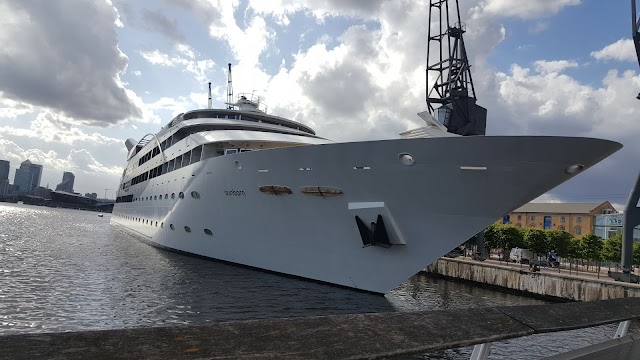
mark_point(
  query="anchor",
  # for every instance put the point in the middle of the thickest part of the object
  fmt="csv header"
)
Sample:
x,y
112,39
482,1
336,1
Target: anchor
x,y
374,236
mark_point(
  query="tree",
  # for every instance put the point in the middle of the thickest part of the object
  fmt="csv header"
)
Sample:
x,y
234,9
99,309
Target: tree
x,y
612,249
490,237
536,241
636,253
560,242
574,250
591,247
505,237
511,236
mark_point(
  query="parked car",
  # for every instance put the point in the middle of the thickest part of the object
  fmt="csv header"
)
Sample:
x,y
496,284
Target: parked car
x,y
523,256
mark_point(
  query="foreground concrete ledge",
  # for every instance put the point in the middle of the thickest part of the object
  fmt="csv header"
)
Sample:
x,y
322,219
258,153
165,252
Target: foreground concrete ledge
x,y
361,336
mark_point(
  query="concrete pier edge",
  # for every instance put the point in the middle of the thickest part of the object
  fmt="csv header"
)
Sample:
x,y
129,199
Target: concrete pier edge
x,y
359,336
545,284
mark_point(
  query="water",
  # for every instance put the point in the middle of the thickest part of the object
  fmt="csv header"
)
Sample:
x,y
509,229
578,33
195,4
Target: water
x,y
65,270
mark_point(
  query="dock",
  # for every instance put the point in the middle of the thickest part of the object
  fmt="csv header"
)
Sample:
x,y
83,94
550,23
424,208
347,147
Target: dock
x,y
548,282
358,336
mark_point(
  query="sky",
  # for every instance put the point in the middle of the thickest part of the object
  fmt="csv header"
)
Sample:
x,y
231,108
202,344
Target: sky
x,y
77,78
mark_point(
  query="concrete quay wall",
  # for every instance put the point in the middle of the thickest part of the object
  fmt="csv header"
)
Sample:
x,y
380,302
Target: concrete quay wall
x,y
547,282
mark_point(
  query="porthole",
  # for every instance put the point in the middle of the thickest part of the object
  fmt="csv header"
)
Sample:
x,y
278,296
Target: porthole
x,y
208,232
181,195
187,229
173,195
195,195
172,227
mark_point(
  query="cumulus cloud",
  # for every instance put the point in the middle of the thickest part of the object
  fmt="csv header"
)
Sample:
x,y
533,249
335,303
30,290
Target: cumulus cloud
x,y
90,173
52,127
522,9
156,20
10,108
199,69
74,69
554,66
621,50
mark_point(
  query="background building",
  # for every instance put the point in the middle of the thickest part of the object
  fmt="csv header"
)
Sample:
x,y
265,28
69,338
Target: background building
x,y
4,177
576,218
609,225
67,182
27,177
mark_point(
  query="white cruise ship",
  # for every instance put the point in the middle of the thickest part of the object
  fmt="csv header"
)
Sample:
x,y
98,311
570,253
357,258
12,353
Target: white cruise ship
x,y
245,187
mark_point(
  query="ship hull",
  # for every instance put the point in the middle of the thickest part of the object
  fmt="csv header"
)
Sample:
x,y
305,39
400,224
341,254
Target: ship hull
x,y
455,188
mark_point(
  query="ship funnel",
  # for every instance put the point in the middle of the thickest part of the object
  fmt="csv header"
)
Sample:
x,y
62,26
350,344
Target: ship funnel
x,y
209,96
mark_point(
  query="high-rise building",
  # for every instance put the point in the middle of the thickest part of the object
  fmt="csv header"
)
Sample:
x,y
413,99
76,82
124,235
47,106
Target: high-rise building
x,y
4,177
67,182
27,177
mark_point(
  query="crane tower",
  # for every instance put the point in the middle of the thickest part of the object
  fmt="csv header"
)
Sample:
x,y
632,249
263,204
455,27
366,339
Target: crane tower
x,y
452,97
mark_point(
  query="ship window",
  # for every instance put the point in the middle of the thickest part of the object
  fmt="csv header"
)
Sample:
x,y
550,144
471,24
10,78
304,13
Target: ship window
x,y
230,151
196,154
171,163
164,168
162,225
156,224
172,227
186,158
187,229
181,195
173,195
178,163
155,197
166,196
208,232
195,195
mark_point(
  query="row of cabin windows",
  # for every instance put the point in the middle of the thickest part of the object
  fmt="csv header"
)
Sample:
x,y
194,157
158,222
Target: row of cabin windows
x,y
147,222
129,198
188,158
149,155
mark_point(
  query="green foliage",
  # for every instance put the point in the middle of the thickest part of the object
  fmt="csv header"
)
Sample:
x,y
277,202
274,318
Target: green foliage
x,y
574,250
536,241
511,236
612,249
591,247
636,253
490,237
560,242
505,237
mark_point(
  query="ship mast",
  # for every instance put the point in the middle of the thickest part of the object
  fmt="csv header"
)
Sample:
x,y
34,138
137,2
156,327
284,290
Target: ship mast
x,y
229,90
452,97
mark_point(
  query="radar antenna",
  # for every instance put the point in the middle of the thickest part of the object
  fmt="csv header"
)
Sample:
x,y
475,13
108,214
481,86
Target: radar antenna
x,y
229,90
453,91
